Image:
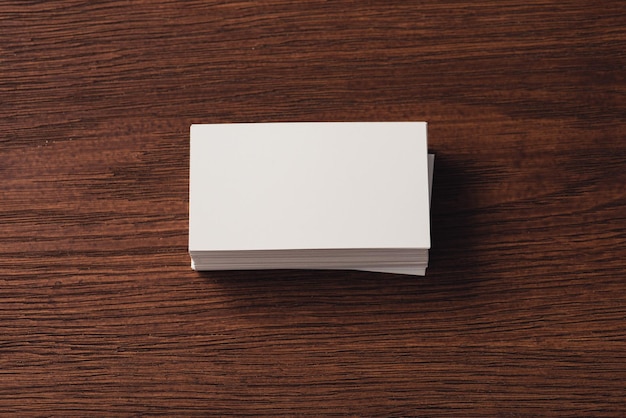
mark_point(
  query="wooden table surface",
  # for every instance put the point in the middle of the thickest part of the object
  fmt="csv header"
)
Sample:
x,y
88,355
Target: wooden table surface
x,y
523,310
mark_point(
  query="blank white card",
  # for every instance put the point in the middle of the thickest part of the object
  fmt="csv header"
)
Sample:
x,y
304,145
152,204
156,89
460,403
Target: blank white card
x,y
277,186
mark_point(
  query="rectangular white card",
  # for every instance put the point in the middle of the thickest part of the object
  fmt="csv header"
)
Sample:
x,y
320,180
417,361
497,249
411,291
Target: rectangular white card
x,y
339,185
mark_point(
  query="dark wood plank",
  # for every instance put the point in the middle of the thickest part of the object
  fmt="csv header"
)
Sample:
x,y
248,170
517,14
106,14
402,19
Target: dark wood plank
x,y
523,311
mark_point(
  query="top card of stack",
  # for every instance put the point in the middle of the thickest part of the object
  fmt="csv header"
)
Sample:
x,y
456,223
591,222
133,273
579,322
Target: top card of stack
x,y
340,195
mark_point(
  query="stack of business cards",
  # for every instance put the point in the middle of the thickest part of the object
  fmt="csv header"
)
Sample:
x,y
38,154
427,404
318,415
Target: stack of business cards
x,y
345,195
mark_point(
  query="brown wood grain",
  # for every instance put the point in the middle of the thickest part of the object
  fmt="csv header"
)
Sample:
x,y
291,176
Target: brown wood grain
x,y
523,310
